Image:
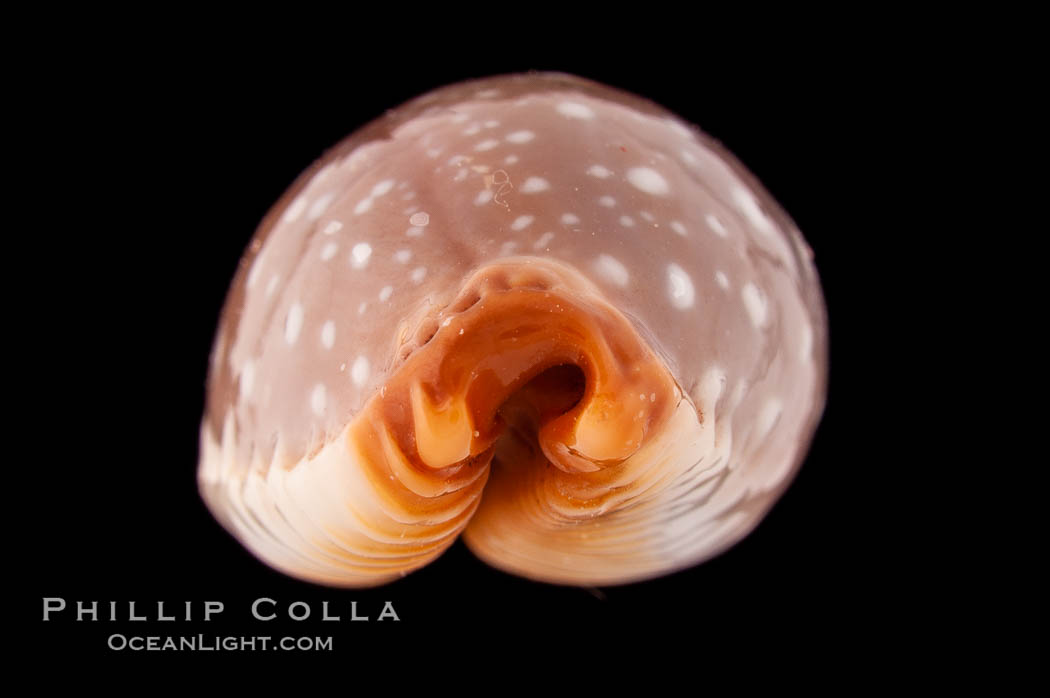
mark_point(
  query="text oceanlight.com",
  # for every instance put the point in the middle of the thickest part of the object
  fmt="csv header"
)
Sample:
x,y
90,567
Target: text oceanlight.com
x,y
217,643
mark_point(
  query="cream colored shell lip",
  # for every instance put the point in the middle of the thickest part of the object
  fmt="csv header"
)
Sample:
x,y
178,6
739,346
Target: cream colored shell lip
x,y
614,202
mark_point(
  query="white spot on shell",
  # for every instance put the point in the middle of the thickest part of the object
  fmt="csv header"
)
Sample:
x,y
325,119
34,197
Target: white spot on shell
x,y
363,206
461,176
328,334
679,228
755,303
543,241
612,269
709,391
570,218
320,206
522,222
739,392
472,129
599,172
360,255
648,180
607,201
318,399
520,136
418,274
491,123
575,110
328,251
293,324
292,213
627,221
679,128
324,173
421,219
403,256
487,144
247,379
534,185
508,248
805,348
359,371
362,307
333,227
253,275
484,196
750,208
680,287
414,232
272,285
722,280
385,293
647,216
768,417
716,225
510,160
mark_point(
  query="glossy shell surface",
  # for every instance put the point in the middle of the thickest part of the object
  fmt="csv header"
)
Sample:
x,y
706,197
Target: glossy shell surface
x,y
390,370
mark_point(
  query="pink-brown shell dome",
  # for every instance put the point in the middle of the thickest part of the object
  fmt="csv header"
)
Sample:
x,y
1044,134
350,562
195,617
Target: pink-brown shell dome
x,y
532,310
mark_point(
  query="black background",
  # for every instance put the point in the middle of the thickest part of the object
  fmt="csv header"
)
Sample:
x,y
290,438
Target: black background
x,y
157,164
